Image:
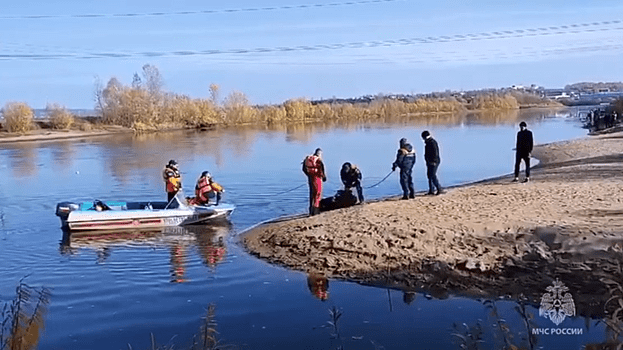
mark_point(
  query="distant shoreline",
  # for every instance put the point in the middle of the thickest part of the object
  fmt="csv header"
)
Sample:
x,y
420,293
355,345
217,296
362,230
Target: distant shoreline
x,y
44,132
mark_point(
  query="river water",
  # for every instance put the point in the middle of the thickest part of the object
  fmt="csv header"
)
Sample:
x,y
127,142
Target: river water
x,y
108,292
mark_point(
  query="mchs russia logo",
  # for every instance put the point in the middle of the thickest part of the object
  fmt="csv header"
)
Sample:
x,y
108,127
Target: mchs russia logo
x,y
555,305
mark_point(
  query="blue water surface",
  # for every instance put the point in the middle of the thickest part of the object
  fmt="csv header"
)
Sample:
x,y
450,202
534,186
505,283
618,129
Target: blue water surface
x,y
109,292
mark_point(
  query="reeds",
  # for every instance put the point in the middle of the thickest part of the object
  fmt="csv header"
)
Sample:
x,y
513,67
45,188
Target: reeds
x,y
144,107
22,318
18,117
614,307
206,339
59,116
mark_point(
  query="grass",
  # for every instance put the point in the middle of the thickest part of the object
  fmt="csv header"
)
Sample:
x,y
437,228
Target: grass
x,y
206,339
18,117
144,106
144,109
22,318
60,117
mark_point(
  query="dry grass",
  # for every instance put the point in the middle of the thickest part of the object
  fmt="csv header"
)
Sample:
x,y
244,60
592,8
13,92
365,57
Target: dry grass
x,y
22,318
60,117
18,117
495,101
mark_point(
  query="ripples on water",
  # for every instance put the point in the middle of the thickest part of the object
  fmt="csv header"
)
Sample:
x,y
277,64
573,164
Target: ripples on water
x,y
112,290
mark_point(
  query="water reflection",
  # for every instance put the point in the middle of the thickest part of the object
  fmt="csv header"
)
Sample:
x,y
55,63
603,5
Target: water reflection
x,y
318,285
22,159
208,240
63,153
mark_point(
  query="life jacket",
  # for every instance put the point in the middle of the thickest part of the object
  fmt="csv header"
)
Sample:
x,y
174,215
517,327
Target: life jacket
x,y
202,189
312,166
172,179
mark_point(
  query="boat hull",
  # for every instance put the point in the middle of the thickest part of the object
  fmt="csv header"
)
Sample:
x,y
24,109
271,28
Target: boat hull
x,y
144,216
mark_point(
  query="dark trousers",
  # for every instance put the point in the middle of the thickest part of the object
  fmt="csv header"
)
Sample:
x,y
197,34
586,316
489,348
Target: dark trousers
x,y
431,174
526,159
170,196
357,185
406,182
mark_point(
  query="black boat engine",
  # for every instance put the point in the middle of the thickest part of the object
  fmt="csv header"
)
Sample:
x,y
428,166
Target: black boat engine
x,y
64,208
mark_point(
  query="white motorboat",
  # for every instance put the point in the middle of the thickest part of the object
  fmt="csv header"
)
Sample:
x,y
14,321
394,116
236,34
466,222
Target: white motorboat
x,y
106,215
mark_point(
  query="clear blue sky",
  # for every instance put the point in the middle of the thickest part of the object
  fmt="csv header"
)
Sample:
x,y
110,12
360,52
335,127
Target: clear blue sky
x,y
273,50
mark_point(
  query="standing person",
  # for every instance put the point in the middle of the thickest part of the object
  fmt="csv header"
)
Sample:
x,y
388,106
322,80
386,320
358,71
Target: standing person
x,y
351,177
523,150
313,167
172,179
405,159
431,156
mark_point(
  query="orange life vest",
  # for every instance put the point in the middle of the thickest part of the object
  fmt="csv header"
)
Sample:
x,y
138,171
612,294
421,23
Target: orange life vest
x,y
202,189
312,165
173,180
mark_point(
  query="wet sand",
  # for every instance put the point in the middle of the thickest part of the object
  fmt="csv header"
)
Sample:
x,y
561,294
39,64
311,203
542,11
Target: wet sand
x,y
46,134
491,238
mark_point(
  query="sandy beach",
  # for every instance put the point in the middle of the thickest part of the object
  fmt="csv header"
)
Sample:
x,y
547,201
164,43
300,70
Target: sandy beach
x,y
492,238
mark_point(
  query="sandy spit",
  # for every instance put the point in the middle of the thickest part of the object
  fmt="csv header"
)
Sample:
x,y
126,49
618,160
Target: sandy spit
x,y
494,238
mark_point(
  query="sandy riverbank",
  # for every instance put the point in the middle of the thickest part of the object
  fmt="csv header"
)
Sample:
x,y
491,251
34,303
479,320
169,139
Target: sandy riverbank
x,y
491,238
46,134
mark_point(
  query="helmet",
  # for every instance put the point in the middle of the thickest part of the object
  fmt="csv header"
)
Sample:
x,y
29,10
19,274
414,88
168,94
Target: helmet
x,y
206,174
403,141
172,164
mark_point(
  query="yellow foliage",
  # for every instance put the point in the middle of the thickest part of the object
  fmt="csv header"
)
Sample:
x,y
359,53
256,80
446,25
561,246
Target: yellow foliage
x,y
495,101
299,109
237,109
18,117
60,117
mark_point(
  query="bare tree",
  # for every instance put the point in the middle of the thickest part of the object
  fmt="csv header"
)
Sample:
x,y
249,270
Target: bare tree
x,y
136,81
153,79
214,93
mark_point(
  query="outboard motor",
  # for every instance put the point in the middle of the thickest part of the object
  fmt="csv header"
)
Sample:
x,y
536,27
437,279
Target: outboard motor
x,y
64,208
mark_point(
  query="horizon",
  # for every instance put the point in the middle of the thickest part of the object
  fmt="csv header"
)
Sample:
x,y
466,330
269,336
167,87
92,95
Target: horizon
x,y
273,51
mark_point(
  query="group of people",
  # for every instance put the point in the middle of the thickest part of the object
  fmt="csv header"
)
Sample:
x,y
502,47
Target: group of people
x,y
205,189
598,119
314,169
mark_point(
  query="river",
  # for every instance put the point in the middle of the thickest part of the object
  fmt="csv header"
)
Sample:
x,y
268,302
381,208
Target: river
x,y
109,292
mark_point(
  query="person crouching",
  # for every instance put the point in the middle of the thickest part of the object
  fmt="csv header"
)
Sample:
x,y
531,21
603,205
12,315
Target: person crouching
x,y
351,177
207,188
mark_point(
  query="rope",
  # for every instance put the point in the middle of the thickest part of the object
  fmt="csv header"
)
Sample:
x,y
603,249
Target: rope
x,y
378,183
290,190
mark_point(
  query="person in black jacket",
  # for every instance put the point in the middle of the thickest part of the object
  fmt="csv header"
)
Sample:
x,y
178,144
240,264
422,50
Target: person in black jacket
x,y
351,177
523,150
405,159
431,156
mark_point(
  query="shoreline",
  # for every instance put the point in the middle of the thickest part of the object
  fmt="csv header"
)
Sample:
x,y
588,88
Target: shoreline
x,y
44,132
489,238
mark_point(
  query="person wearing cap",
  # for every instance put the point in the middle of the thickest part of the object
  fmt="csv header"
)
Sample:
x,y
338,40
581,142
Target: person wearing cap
x,y
431,156
172,179
313,167
405,159
207,188
351,177
523,150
